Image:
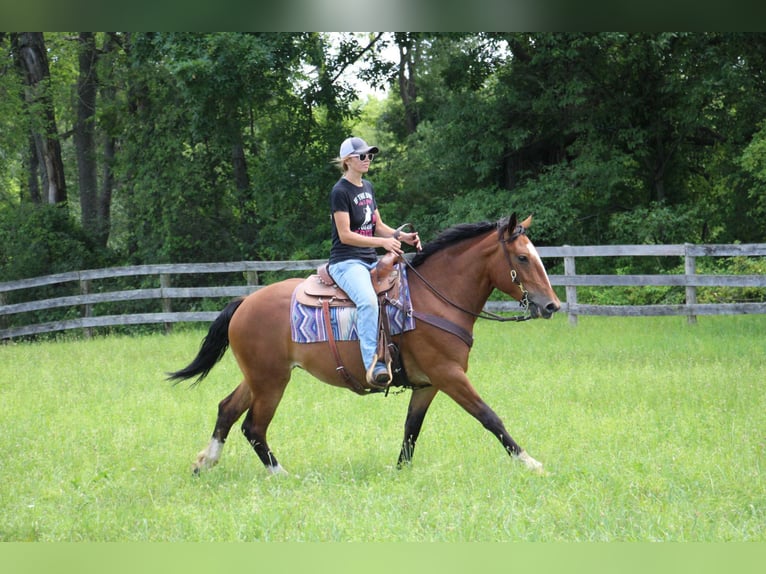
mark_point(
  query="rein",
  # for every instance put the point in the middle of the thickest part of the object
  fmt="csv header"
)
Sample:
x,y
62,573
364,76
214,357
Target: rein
x,y
484,314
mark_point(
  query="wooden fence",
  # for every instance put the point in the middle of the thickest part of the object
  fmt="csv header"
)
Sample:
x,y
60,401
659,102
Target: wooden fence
x,y
82,304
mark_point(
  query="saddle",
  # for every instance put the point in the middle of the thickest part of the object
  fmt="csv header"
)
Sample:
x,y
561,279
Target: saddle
x,y
321,287
320,290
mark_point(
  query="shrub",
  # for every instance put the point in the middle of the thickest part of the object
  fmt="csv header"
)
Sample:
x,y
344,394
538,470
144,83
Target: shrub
x,y
670,295
39,240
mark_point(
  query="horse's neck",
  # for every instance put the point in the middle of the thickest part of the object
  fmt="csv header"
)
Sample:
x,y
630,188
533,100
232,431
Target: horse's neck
x,y
460,275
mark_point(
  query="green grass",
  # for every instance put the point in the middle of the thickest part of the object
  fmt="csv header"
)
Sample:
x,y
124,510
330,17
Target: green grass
x,y
649,429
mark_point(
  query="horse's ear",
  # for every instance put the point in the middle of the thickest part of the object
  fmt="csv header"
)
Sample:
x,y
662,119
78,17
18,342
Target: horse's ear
x,y
512,222
527,222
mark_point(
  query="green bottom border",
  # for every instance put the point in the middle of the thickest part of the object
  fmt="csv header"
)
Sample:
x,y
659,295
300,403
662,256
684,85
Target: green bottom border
x,y
371,558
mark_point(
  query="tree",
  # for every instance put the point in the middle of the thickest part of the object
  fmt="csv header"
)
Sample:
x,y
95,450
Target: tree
x,y
214,146
32,62
407,77
592,132
85,135
228,147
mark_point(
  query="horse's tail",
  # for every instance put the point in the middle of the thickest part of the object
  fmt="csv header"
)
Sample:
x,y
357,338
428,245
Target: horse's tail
x,y
212,349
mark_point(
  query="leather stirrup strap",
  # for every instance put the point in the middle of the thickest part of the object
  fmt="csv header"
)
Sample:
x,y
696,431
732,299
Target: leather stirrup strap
x,y
347,378
384,332
390,350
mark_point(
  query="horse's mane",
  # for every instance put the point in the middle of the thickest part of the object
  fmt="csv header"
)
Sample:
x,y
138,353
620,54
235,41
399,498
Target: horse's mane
x,y
453,235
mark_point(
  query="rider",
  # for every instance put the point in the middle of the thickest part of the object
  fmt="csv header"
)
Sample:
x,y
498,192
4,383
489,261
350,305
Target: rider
x,y
357,231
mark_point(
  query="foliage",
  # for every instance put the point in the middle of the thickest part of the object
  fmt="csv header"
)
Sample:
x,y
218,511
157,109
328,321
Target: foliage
x,y
13,136
593,127
669,295
732,266
218,146
39,240
206,98
753,162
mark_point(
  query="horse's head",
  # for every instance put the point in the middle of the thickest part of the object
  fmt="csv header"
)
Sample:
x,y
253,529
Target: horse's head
x,y
524,276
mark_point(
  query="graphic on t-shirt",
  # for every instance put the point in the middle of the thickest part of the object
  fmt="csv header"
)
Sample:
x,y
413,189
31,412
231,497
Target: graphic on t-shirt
x,y
367,215
365,202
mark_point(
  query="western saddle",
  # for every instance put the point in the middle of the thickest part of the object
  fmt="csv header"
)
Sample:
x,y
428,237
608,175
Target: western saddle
x,y
320,290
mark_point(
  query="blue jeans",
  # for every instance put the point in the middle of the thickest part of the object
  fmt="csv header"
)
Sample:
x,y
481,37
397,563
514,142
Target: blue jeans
x,y
353,276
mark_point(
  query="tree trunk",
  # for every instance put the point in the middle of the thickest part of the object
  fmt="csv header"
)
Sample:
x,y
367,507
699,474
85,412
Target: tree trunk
x,y
105,197
84,133
33,173
108,95
407,75
31,59
239,162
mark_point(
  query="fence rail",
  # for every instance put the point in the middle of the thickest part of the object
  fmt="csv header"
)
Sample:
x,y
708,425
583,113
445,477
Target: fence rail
x,y
166,293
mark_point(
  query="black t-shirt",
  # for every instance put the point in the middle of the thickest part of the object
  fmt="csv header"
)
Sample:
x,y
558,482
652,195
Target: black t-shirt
x,y
359,203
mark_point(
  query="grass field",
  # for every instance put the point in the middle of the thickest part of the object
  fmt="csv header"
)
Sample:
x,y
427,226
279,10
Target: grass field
x,y
649,429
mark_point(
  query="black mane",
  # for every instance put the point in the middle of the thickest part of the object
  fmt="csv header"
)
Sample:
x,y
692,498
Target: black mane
x,y
453,235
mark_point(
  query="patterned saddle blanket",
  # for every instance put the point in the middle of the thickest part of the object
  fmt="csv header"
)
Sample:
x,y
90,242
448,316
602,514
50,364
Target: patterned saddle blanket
x,y
307,324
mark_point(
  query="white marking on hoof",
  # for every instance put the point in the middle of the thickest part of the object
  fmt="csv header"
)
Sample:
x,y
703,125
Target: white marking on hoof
x,y
277,470
531,463
208,457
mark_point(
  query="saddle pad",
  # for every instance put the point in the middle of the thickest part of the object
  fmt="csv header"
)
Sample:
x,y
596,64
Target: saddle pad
x,y
307,324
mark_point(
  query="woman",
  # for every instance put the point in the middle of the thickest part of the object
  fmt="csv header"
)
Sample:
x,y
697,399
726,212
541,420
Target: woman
x,y
357,231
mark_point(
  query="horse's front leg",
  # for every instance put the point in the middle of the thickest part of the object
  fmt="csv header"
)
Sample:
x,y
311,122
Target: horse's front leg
x,y
419,402
460,389
493,424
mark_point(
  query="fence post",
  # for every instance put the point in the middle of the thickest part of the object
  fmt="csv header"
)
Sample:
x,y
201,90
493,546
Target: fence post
x,y
87,309
3,320
167,305
571,290
252,278
690,268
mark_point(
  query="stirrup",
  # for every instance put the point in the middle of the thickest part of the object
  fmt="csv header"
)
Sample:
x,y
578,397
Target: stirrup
x,y
379,375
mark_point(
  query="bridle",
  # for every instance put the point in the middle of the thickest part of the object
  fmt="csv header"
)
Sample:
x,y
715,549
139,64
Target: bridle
x,y
517,232
484,314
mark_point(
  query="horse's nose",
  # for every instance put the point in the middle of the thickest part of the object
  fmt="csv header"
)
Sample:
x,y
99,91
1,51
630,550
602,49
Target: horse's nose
x,y
552,307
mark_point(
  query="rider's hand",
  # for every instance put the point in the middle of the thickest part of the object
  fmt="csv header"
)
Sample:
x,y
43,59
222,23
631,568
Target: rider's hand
x,y
412,239
392,244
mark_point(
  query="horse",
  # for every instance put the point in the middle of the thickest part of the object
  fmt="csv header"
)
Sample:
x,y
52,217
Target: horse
x,y
450,280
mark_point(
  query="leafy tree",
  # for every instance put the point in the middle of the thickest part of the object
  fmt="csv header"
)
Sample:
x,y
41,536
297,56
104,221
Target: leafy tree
x,y
607,137
253,125
14,134
215,146
31,60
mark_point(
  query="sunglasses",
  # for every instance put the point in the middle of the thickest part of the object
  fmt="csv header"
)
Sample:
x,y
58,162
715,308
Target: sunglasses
x,y
364,156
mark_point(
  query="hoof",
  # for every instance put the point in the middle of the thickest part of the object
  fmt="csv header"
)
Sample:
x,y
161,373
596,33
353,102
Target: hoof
x,y
202,463
532,464
208,457
277,470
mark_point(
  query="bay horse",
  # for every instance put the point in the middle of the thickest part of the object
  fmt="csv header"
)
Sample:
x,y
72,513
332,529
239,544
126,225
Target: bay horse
x,y
451,279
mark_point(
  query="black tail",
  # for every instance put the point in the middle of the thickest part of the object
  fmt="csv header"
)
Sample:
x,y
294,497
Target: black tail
x,y
212,349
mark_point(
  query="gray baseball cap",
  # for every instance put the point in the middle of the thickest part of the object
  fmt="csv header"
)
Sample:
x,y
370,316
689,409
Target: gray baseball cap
x,y
354,145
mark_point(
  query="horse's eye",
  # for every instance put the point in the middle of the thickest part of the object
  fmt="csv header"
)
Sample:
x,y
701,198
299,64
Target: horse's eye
x,y
523,258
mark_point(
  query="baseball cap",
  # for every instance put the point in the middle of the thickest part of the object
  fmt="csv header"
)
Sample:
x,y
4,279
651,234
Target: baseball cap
x,y
356,145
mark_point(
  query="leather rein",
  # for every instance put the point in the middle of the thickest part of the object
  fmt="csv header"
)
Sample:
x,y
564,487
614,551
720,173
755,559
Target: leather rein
x,y
451,327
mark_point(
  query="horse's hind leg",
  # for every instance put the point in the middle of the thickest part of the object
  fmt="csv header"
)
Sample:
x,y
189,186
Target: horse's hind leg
x,y
265,401
229,411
